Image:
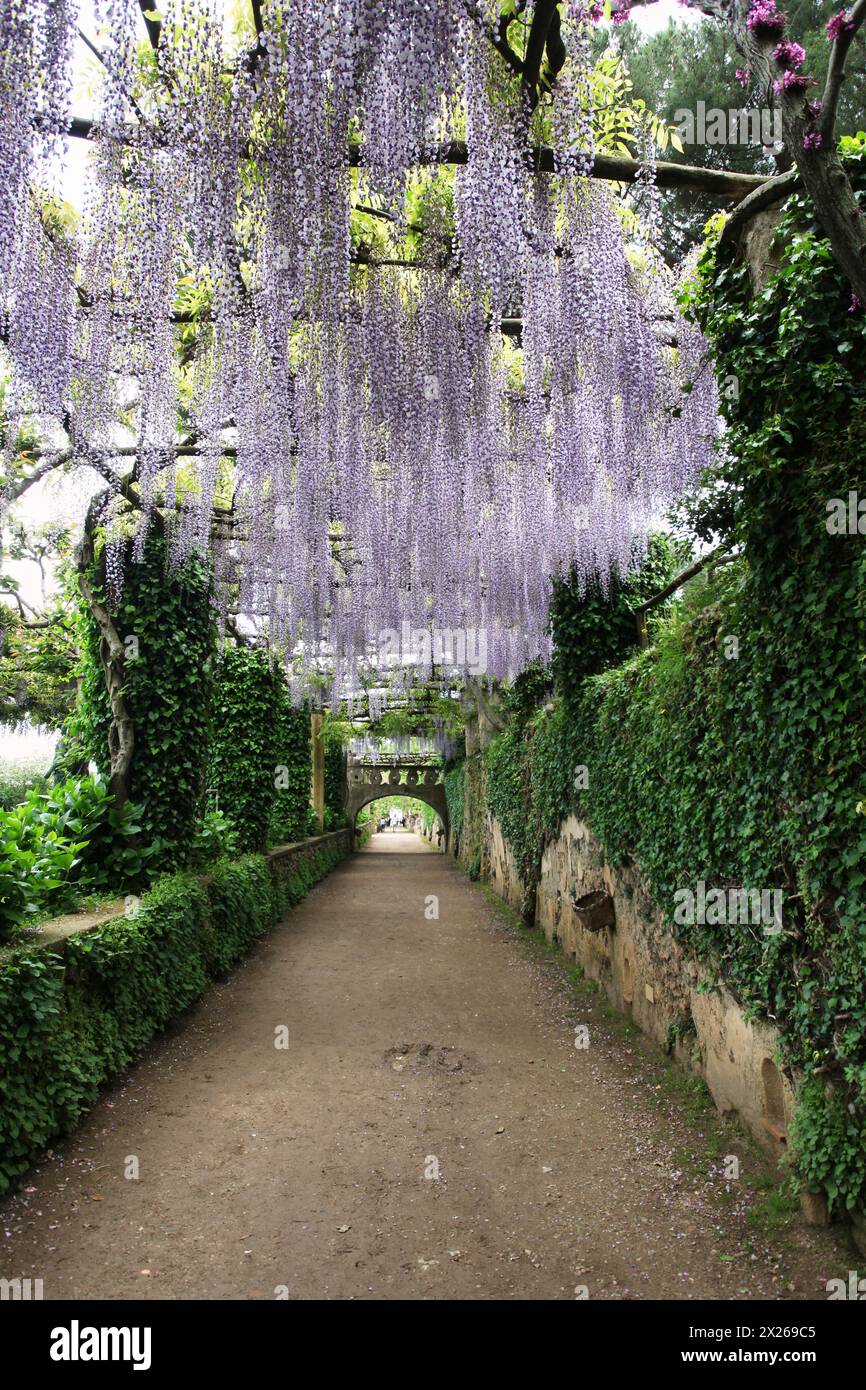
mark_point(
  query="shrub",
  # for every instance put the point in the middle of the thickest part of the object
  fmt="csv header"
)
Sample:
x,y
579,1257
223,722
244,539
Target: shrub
x,y
293,757
243,767
36,868
16,784
113,854
216,837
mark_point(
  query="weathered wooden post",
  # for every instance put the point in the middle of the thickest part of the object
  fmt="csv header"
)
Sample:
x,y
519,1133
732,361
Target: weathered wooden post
x,y
317,791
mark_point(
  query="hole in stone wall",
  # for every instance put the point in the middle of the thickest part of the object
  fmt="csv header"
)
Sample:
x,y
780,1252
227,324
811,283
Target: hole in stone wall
x,y
774,1101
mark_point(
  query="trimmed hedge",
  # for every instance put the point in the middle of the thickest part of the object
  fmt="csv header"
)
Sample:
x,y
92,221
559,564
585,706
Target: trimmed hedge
x,y
72,1023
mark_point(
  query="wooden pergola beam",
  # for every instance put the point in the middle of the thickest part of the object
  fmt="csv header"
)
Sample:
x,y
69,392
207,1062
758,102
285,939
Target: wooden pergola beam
x,y
722,183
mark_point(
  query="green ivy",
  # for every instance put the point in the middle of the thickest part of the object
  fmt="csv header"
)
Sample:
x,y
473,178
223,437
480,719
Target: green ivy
x,y
290,813
334,774
250,723
595,627
455,794
744,765
168,689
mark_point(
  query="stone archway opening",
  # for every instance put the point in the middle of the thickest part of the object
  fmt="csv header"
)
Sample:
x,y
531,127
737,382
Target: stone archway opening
x,y
368,782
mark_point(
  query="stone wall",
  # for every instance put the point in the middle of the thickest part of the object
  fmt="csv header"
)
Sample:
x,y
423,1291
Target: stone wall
x,y
640,965
646,974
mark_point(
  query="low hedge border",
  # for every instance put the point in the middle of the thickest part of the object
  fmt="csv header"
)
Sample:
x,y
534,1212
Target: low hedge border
x,y
78,1012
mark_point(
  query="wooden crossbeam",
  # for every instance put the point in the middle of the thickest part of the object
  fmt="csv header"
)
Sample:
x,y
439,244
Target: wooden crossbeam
x,y
722,183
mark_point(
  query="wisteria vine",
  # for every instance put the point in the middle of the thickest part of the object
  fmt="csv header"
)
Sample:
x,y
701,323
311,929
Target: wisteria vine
x,y
398,465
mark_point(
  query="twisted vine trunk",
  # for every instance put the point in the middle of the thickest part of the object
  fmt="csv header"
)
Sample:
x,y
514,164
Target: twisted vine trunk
x,y
112,655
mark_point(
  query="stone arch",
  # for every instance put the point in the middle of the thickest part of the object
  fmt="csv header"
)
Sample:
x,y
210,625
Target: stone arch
x,y
371,784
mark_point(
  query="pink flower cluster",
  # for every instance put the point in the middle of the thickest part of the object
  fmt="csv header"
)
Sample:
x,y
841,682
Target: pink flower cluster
x,y
792,82
813,141
789,55
764,19
743,76
839,24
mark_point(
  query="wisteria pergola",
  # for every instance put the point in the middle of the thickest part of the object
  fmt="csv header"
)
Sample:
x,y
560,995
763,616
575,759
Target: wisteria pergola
x,y
393,459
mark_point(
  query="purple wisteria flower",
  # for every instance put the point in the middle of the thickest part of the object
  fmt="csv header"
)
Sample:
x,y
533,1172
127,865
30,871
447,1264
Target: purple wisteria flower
x,y
393,458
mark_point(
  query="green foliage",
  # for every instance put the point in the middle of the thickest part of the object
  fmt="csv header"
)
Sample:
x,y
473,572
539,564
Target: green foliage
x,y
826,1145
510,797
37,666
334,775
216,837
248,712
290,812
593,627
168,689
69,1026
746,767
36,869
65,841
114,854
16,783
530,688
261,752
455,794
48,1073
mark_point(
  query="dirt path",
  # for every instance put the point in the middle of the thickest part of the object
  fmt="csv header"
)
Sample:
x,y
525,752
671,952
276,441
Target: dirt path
x,y
415,1046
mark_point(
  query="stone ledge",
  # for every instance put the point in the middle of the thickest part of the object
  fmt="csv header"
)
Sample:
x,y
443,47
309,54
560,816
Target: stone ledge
x,y
52,935
285,851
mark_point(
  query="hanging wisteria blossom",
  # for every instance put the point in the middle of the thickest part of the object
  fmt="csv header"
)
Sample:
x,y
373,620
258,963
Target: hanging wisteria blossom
x,y
403,473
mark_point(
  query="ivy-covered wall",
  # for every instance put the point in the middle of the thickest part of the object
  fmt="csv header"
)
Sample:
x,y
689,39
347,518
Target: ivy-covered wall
x,y
733,751
455,792
335,776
